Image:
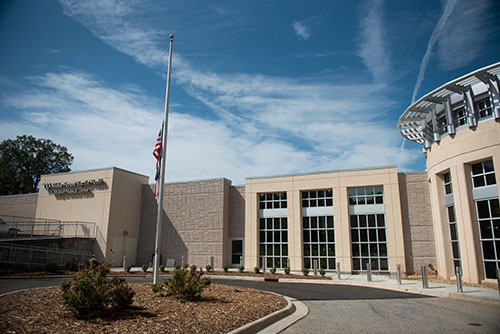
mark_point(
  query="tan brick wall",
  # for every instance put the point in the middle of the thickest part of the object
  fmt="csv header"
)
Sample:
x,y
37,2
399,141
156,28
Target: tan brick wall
x,y
237,213
195,226
416,213
19,205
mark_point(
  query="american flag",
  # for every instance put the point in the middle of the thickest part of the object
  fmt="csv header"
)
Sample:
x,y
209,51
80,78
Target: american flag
x,y
157,155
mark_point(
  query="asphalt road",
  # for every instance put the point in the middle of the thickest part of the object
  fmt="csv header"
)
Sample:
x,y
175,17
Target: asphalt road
x,y
352,309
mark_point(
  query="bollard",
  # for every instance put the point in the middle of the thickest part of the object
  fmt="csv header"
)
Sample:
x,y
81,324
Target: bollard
x,y
212,263
369,272
288,262
338,270
241,261
124,262
459,280
315,267
398,273
425,284
498,279
264,264
182,261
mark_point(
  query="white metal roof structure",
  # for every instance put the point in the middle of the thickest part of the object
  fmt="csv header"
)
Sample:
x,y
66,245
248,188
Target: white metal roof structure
x,y
420,122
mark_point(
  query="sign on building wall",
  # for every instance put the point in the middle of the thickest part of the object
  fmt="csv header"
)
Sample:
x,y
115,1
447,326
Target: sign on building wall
x,y
76,187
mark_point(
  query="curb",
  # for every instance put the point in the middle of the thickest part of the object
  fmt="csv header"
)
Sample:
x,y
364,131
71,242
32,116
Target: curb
x,y
276,321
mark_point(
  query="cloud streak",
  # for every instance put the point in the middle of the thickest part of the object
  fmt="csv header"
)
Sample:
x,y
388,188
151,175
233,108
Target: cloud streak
x,y
301,30
436,33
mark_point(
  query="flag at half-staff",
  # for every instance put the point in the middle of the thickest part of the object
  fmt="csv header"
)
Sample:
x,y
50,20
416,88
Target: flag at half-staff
x,y
157,155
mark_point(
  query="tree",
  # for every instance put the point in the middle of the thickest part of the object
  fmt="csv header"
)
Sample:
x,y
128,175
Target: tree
x,y
24,160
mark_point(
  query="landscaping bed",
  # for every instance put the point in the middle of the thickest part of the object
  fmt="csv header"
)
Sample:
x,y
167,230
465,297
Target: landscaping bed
x,y
221,309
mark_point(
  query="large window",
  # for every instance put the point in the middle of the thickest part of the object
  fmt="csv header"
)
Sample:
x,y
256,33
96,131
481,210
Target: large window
x,y
317,198
483,108
452,223
488,214
460,116
273,242
318,236
483,174
369,242
366,195
272,201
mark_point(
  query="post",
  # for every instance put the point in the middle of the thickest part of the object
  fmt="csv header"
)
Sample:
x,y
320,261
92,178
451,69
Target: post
x,y
459,280
315,267
264,264
124,262
288,262
162,168
398,273
369,272
425,284
338,270
182,261
212,263
241,260
498,279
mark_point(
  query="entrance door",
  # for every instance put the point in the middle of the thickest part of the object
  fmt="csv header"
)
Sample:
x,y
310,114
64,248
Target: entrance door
x,y
236,251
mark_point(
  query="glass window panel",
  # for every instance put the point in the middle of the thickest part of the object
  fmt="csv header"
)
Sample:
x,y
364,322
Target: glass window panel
x,y
370,200
269,237
262,205
305,195
321,202
478,181
313,203
351,191
321,193
307,250
381,234
328,193
269,250
269,223
361,201
305,222
237,246
354,236
322,249
262,224
323,263
283,196
262,236
329,221
447,178
490,179
284,250
307,263
314,222
331,236
284,223
371,221
382,249
354,221
331,250
355,250
488,166
495,210
497,246
375,265
486,232
305,204
314,250
483,209
373,250
490,270
262,197
496,228
276,196
276,223
329,202
488,250
447,189
455,251
380,220
451,214
373,234
477,169
322,236
384,264
262,250
360,191
364,263
314,236
379,190
321,222
269,262
356,264
456,263
283,204
277,236
363,235
284,236
364,250
369,190
362,221
352,200
379,200
453,232
277,249
305,235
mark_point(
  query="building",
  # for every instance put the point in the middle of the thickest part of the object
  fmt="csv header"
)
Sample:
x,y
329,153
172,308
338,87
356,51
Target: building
x,y
444,218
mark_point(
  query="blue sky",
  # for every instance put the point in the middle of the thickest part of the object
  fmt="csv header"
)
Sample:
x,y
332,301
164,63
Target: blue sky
x,y
258,87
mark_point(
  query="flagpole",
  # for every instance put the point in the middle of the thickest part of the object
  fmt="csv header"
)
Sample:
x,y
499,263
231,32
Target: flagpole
x,y
162,168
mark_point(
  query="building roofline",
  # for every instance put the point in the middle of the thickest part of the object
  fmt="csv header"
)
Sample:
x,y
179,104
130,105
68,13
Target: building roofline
x,y
198,180
95,170
322,172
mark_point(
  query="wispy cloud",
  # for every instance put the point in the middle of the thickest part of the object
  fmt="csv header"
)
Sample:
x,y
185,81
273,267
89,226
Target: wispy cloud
x,y
438,30
301,30
373,49
465,34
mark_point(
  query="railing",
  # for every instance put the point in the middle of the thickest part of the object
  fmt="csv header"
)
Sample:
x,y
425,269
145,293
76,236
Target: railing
x,y
38,256
32,228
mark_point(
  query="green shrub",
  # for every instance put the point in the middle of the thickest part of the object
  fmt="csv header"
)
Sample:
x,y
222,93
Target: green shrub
x,y
51,266
305,271
177,266
241,269
72,265
91,294
162,268
287,270
225,268
273,270
208,267
128,268
322,271
187,284
256,270
145,267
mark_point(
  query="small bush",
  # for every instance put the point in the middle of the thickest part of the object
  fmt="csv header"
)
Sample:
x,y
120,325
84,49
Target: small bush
x,y
72,265
305,271
241,269
51,266
128,268
256,270
177,266
225,268
187,284
208,267
162,268
273,270
145,267
287,270
322,271
91,294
